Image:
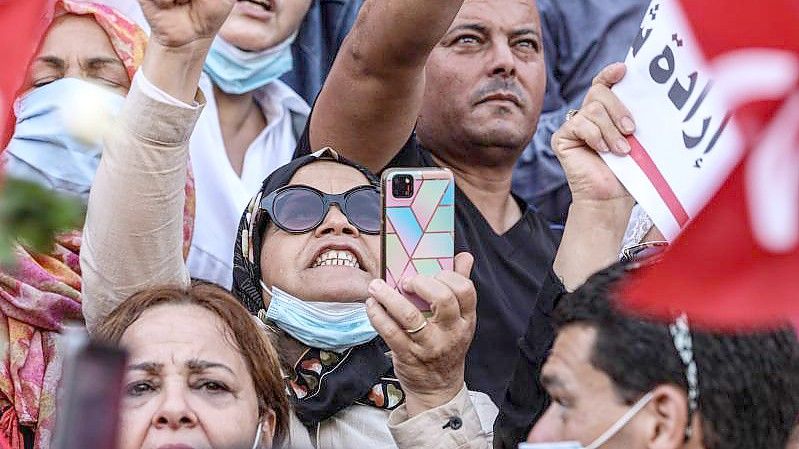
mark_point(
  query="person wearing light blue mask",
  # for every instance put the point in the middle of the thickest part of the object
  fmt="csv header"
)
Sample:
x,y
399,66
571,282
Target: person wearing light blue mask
x,y
75,86
235,71
45,150
249,126
306,269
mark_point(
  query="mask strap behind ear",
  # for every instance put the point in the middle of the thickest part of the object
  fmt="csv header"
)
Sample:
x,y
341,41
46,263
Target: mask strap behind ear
x,y
265,289
258,434
621,422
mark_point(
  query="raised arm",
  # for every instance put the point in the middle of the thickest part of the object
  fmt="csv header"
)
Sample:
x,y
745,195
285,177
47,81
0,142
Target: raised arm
x,y
370,101
601,206
134,224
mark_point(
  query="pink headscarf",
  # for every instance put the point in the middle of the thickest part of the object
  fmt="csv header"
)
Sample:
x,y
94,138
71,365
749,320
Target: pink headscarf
x,y
127,38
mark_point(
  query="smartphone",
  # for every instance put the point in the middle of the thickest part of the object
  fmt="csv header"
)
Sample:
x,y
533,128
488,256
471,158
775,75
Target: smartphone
x,y
418,233
92,393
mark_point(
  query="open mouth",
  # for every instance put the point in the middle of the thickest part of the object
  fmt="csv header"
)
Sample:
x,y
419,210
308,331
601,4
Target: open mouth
x,y
337,257
267,5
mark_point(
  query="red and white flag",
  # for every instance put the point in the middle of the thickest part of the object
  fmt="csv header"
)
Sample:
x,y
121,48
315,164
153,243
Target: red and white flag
x,y
736,264
22,25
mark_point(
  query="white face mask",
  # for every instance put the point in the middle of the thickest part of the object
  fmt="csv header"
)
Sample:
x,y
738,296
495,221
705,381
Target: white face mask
x,y
602,439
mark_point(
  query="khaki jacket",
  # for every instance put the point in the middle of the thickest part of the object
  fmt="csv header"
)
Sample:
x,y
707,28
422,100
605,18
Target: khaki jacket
x,y
133,240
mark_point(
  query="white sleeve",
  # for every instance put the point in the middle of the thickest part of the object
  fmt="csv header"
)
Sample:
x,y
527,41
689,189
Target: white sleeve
x,y
151,90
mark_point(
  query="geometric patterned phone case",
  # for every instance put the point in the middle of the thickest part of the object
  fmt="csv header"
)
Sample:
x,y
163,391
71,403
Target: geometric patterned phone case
x,y
418,232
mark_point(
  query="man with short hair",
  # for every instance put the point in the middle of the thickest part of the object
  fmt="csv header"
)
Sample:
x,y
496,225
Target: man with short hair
x,y
617,381
456,84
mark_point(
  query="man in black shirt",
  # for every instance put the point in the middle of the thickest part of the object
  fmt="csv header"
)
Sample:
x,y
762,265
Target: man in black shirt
x,y
473,120
460,85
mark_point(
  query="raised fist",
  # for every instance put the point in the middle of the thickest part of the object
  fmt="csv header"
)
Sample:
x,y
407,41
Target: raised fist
x,y
176,23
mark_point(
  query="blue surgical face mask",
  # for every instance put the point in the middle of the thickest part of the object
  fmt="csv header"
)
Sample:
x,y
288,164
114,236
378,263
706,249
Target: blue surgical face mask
x,y
333,326
43,150
237,71
602,439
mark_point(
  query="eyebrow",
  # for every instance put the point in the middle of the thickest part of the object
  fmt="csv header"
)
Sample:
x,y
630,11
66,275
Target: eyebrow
x,y
53,61
470,26
148,367
194,366
484,30
523,31
99,62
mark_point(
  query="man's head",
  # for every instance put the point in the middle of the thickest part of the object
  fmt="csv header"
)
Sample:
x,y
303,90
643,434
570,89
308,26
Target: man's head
x,y
604,361
485,83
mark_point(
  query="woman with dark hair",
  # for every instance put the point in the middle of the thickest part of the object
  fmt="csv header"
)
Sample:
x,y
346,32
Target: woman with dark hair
x,y
198,363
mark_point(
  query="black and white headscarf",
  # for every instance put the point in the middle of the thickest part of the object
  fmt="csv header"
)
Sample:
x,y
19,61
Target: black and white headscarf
x,y
362,374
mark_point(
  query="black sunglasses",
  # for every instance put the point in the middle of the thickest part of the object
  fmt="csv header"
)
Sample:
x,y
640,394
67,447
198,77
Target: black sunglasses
x,y
298,209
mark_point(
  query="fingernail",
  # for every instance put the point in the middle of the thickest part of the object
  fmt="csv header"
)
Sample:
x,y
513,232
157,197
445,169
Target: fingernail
x,y
627,124
603,147
622,146
370,302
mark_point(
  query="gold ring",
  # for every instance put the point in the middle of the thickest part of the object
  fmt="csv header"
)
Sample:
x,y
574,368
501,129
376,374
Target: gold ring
x,y
571,113
413,331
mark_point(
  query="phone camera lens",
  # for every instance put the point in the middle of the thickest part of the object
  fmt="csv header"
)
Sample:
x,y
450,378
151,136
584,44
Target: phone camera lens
x,y
402,186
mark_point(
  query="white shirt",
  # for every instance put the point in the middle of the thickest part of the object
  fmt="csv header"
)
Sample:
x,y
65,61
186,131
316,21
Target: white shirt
x,y
221,194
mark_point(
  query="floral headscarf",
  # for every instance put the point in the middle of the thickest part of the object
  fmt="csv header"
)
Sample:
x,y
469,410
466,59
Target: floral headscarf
x,y
41,292
127,38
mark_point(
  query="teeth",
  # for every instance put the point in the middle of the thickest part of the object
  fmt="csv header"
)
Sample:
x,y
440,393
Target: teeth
x,y
337,258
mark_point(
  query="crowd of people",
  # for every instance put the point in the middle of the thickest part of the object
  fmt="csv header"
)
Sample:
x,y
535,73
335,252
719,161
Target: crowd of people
x,y
247,328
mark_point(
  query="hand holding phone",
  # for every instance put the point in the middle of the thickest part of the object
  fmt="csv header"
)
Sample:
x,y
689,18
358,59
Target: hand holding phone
x,y
418,235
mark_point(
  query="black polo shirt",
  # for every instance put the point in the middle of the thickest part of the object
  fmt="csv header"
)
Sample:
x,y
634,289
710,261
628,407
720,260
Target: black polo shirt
x,y
508,272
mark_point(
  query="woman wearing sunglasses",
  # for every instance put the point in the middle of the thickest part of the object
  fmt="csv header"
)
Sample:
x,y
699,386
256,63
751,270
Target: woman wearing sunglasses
x,y
363,367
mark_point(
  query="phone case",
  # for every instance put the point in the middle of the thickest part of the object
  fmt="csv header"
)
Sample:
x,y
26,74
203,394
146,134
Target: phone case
x,y
418,232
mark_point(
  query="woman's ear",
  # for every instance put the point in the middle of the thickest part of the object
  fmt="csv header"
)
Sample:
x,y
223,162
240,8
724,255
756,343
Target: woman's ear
x,y
268,422
670,414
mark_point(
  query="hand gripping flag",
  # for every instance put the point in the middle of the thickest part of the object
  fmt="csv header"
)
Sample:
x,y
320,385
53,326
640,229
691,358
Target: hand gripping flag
x,y
736,265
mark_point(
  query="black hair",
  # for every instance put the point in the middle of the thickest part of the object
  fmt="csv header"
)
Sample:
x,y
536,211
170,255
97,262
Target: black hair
x,y
748,383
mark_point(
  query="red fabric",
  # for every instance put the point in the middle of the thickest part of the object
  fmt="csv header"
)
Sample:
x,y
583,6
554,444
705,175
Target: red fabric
x,y
730,269
22,25
10,436
647,165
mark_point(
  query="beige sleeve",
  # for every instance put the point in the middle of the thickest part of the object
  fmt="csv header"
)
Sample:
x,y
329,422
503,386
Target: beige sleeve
x,y
465,422
133,234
